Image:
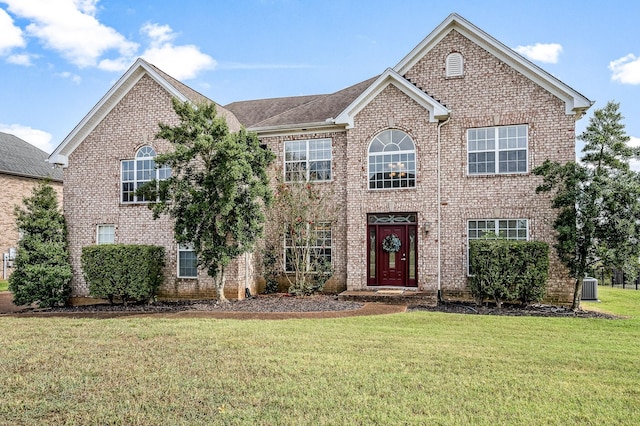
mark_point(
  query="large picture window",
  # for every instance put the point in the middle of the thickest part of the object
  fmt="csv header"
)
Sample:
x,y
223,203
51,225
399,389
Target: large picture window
x,y
310,252
497,150
137,172
510,229
392,160
307,160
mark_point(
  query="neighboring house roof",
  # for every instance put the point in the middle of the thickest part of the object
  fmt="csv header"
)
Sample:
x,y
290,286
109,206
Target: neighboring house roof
x,y
575,102
115,95
20,158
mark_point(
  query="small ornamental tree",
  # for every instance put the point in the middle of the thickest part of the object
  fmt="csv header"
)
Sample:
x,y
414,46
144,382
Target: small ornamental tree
x,y
598,200
218,188
42,269
302,214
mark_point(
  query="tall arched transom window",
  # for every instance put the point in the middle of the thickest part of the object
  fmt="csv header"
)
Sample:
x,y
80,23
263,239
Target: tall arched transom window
x,y
137,172
392,160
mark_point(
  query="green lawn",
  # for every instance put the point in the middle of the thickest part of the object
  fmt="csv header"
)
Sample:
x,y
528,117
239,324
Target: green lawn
x,y
4,285
412,368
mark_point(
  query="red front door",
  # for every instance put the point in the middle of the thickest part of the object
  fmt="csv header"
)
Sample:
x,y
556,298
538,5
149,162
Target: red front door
x,y
392,264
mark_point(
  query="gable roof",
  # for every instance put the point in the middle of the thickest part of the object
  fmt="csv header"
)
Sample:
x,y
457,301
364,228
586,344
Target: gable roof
x,y
437,111
575,102
298,111
20,158
117,92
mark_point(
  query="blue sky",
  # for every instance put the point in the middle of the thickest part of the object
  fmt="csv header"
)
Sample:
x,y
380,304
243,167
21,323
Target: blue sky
x,y
59,57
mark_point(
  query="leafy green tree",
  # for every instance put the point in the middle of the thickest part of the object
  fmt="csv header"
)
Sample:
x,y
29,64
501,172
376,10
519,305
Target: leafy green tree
x,y
598,200
43,271
218,189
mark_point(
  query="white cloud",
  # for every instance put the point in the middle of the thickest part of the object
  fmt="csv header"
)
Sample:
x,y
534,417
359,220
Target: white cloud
x,y
71,28
35,137
626,70
11,35
73,77
181,62
541,52
21,59
246,66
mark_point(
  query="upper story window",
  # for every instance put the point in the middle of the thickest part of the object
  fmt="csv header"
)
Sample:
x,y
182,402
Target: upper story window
x,y
454,65
392,160
497,150
307,160
137,172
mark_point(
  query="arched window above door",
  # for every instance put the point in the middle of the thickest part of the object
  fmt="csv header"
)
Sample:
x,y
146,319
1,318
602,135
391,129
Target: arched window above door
x,y
392,160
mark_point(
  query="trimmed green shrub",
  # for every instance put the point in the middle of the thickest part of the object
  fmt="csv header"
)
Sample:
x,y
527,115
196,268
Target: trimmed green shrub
x,y
509,271
126,272
42,269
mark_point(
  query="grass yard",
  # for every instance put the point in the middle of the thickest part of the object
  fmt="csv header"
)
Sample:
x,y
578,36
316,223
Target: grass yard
x,y
412,368
4,285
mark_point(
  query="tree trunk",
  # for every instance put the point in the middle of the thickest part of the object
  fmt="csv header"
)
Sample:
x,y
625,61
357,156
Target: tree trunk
x,y
219,281
577,295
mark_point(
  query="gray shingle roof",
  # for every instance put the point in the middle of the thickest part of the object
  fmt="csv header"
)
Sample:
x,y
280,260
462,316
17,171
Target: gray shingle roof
x,y
20,158
296,110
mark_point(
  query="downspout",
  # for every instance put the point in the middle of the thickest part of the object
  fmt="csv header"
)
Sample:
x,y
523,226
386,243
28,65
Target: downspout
x,y
439,227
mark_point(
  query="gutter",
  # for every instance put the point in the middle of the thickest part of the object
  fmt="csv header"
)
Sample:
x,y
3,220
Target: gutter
x,y
439,220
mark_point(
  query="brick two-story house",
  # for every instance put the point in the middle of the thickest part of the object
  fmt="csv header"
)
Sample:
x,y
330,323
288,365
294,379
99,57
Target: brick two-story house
x,y
22,167
435,151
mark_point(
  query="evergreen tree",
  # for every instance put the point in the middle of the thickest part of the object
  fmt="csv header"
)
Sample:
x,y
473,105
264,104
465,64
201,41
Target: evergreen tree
x,y
43,272
218,188
598,200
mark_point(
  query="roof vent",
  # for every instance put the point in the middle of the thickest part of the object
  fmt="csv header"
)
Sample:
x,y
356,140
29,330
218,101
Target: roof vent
x,y
454,65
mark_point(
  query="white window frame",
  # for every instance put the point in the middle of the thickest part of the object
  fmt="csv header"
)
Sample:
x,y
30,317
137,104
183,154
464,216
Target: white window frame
x,y
394,163
134,168
101,234
498,230
185,248
296,166
322,248
503,143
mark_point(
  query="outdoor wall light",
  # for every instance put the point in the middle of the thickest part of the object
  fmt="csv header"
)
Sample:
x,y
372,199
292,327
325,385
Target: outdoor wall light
x,y
427,227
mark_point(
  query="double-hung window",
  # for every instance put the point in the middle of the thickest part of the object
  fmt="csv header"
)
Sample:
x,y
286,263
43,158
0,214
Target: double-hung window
x,y
187,261
307,160
135,173
497,150
106,234
510,229
309,247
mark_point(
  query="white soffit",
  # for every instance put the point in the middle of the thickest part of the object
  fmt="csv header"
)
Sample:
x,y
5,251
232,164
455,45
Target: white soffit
x,y
436,110
575,103
61,154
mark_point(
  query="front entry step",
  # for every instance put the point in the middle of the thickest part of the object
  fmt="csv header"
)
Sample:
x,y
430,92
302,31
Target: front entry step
x,y
409,297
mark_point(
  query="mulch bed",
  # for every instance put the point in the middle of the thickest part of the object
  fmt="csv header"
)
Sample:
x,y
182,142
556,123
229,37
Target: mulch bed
x,y
283,303
536,310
